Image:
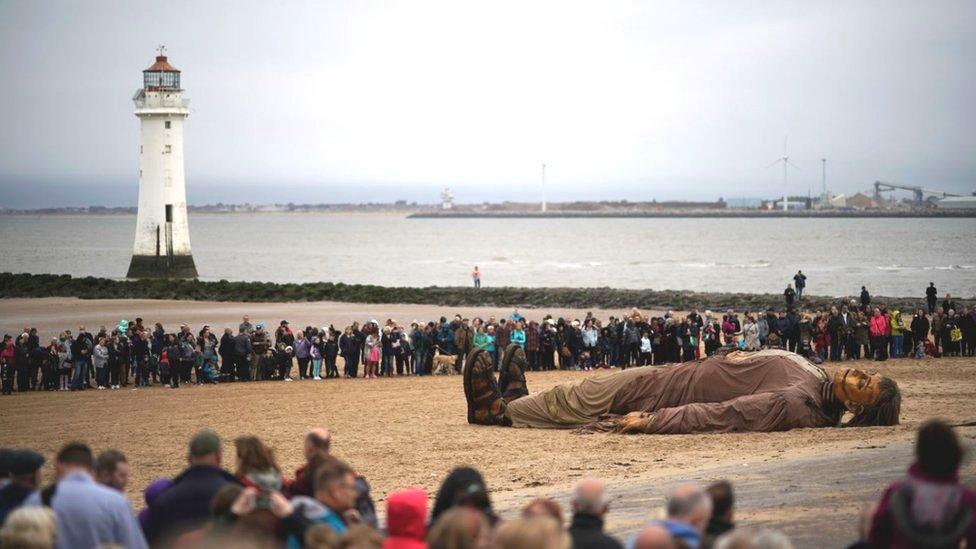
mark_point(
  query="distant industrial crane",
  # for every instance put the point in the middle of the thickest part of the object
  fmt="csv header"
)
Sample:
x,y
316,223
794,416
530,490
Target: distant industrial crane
x,y
918,192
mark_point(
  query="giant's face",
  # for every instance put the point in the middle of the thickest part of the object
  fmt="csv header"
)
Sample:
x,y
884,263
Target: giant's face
x,y
857,390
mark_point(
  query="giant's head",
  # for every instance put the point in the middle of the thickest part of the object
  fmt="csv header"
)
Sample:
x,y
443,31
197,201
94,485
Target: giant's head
x,y
871,397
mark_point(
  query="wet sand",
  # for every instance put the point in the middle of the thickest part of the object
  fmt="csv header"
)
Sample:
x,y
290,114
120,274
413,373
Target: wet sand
x,y
410,431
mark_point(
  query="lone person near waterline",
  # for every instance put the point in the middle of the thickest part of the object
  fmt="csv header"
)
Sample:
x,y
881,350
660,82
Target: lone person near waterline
x,y
800,282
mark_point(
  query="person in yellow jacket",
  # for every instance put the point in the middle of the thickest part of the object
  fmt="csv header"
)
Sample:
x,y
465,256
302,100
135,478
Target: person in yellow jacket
x,y
897,333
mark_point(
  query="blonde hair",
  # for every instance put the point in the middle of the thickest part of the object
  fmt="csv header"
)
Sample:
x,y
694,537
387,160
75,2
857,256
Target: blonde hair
x,y
537,532
458,528
29,528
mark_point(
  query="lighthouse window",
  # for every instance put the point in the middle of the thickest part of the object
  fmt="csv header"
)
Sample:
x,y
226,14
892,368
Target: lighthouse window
x,y
169,149
167,124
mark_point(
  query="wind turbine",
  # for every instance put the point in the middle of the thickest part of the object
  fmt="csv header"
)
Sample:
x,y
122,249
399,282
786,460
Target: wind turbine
x,y
543,188
785,159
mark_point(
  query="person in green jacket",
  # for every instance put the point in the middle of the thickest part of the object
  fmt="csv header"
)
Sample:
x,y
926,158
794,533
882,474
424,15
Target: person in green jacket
x,y
897,333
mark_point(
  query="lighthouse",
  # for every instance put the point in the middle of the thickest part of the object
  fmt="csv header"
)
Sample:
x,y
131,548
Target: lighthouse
x,y
162,243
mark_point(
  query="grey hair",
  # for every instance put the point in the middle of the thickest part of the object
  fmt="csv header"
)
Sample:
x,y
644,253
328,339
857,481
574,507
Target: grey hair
x,y
687,505
744,537
584,502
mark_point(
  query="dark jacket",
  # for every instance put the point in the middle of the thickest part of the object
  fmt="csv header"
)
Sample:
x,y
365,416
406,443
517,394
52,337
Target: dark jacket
x,y
587,532
185,505
12,496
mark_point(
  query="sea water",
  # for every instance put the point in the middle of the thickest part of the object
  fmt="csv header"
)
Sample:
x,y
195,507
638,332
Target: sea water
x,y
896,257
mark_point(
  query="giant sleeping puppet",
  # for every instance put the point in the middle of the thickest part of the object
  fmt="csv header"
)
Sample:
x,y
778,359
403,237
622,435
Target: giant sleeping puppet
x,y
768,390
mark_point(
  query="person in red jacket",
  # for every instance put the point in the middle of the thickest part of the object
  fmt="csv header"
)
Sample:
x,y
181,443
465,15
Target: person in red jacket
x,y
406,519
7,365
879,329
929,507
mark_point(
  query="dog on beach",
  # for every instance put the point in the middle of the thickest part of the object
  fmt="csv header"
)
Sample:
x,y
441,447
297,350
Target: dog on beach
x,y
443,365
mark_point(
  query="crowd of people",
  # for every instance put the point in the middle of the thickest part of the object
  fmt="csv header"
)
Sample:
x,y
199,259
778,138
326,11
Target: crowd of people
x,y
326,503
135,353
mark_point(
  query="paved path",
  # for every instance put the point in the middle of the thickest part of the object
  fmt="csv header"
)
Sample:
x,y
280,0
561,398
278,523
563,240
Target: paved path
x,y
814,500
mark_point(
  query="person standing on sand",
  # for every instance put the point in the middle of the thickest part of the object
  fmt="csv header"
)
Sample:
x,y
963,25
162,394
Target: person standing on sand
x,y
226,351
476,276
878,328
931,296
865,298
349,349
800,281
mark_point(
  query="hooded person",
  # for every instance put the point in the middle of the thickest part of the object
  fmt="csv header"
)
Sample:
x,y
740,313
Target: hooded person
x,y
930,507
406,519
771,390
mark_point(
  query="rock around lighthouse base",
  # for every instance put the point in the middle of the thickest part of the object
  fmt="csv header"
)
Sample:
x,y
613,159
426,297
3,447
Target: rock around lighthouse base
x,y
151,266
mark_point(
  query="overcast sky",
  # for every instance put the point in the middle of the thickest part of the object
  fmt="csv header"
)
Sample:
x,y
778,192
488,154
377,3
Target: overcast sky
x,y
359,101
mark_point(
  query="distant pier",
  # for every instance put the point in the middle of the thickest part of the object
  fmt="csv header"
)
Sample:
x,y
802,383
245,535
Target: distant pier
x,y
674,214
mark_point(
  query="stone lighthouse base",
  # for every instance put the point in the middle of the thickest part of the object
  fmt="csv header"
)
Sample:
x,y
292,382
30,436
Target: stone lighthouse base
x,y
154,266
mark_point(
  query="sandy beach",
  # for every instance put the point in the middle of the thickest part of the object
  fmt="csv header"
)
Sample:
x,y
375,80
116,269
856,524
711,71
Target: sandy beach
x,y
410,431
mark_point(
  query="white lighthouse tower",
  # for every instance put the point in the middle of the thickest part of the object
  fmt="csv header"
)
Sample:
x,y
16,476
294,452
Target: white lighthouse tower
x,y
162,244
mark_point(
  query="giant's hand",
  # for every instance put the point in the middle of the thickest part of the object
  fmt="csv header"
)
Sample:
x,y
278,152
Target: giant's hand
x,y
634,422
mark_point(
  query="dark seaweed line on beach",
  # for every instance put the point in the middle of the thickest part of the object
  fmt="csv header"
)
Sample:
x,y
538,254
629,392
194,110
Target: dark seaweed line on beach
x,y
43,285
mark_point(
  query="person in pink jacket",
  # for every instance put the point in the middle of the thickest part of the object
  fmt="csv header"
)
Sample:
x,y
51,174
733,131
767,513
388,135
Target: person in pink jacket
x,y
879,329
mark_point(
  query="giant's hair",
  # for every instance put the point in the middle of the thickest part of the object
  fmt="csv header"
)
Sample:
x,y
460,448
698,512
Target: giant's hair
x,y
885,411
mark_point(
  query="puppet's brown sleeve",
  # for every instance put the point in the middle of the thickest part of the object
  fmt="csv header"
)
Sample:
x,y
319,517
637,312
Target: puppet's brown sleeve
x,y
760,412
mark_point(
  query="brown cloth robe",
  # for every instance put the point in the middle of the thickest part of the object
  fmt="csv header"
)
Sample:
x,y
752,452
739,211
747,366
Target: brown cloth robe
x,y
485,403
511,377
769,390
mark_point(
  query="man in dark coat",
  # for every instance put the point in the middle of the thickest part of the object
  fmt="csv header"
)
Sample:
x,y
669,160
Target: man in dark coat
x,y
25,478
789,294
227,355
186,505
865,298
589,507
800,281
242,352
931,296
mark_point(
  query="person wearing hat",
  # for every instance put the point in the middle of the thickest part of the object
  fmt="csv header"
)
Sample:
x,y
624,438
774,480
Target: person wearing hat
x,y
185,505
24,467
259,348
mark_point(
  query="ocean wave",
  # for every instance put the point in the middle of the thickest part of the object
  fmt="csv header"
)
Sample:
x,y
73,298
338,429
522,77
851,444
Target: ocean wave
x,y
756,265
897,267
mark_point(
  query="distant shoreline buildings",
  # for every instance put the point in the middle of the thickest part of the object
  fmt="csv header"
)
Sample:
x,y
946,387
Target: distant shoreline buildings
x,y
858,205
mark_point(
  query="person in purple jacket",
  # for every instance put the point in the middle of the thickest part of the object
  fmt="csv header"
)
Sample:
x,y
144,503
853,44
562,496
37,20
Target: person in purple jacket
x,y
929,507
302,347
